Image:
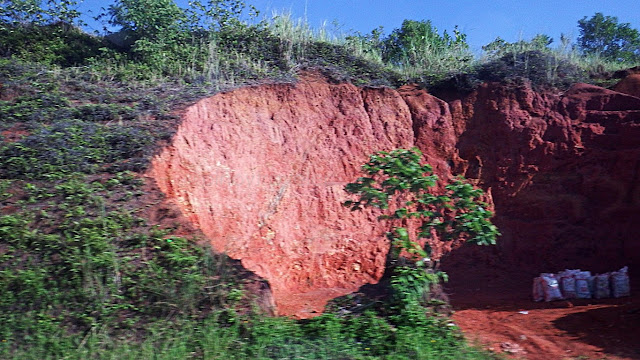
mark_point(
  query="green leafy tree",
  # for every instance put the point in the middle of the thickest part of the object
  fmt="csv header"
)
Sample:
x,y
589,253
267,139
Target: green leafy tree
x,y
21,12
399,184
603,35
38,12
418,43
214,15
160,33
151,20
164,20
155,30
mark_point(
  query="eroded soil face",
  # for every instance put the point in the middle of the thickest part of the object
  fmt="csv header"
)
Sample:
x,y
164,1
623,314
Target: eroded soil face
x,y
261,170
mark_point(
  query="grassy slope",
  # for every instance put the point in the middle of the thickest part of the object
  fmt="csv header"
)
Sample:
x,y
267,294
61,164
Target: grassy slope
x,y
82,275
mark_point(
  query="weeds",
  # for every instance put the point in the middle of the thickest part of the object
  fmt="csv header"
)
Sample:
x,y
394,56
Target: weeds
x,y
54,151
73,260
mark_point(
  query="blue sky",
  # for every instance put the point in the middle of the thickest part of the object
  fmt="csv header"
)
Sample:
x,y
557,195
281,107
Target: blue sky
x,y
482,21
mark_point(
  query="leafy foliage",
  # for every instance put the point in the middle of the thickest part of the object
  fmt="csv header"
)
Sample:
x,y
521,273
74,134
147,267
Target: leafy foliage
x,y
56,43
542,67
215,15
603,35
158,30
73,257
499,47
397,182
45,30
418,43
155,20
54,151
456,213
416,50
36,12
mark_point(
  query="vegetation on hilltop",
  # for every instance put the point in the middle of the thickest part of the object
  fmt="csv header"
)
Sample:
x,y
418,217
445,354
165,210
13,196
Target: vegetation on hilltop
x,y
84,275
604,36
208,43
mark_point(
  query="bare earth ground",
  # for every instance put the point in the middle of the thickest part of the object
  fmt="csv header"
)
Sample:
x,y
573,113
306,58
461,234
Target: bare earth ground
x,y
496,311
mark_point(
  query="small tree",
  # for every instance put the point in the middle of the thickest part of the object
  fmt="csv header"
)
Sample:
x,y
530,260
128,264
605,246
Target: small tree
x,y
165,21
152,26
603,35
418,44
214,15
160,31
399,181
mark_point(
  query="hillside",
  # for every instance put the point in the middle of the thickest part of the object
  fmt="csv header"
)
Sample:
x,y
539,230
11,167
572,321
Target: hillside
x,y
260,170
166,193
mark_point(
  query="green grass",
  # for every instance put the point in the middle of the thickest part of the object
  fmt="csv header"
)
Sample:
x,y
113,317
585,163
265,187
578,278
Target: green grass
x,y
224,335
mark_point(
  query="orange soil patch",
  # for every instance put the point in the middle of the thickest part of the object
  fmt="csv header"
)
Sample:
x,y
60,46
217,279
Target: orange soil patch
x,y
498,313
14,133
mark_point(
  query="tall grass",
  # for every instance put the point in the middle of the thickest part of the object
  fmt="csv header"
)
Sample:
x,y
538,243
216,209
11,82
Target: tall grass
x,y
560,65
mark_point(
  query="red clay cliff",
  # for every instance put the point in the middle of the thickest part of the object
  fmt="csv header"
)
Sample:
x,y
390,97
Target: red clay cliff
x,y
261,170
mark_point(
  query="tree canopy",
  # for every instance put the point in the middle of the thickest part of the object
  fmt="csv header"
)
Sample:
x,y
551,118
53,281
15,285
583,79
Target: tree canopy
x,y
416,41
457,212
605,36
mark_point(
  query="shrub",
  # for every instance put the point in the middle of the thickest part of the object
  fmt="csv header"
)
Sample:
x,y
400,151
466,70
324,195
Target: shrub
x,y
456,213
541,67
37,12
417,45
53,44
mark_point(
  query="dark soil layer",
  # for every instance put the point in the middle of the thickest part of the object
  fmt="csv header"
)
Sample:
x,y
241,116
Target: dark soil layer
x,y
494,307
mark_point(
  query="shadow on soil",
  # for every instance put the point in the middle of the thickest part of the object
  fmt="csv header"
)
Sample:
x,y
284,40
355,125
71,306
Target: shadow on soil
x,y
615,329
488,285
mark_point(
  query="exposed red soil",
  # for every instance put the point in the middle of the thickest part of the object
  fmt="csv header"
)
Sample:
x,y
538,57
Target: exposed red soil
x,y
261,170
494,309
630,85
14,133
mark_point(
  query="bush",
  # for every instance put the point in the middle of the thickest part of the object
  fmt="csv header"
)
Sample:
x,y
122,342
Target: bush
x,y
39,108
541,67
417,45
397,180
54,44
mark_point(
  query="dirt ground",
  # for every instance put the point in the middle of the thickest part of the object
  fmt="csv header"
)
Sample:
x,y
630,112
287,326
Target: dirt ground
x,y
496,311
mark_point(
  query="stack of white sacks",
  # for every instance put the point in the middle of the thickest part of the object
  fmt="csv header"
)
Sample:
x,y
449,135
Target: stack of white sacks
x,y
577,284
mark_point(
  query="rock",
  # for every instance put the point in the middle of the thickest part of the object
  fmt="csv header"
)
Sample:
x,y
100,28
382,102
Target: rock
x,y
512,348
